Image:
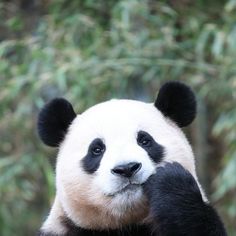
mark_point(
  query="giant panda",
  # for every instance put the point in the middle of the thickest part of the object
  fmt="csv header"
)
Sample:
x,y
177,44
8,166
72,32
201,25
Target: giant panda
x,y
125,168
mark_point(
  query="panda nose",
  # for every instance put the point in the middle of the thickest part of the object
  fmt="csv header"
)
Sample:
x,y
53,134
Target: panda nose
x,y
127,170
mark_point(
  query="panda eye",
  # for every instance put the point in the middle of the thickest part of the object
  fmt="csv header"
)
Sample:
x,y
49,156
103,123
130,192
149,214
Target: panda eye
x,y
144,140
97,148
97,151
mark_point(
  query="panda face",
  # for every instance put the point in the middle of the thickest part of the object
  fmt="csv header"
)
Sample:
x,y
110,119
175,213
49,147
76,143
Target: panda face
x,y
109,152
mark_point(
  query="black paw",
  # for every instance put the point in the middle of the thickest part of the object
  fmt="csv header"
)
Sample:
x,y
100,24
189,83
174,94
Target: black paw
x,y
174,198
174,181
176,204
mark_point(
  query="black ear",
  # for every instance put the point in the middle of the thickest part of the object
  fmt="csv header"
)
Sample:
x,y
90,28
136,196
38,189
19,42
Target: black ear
x,y
54,120
177,101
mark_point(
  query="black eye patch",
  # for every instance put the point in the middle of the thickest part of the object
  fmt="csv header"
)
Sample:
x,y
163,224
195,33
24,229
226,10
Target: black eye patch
x,y
94,156
155,150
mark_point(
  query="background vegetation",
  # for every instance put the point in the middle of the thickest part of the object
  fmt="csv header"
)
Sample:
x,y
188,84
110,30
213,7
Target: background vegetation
x,y
89,51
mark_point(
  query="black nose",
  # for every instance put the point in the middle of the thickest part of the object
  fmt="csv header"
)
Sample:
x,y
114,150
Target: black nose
x,y
127,170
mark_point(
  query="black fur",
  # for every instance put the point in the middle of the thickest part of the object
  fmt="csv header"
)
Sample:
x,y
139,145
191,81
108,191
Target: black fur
x,y
73,230
126,231
176,205
54,120
154,150
92,160
177,101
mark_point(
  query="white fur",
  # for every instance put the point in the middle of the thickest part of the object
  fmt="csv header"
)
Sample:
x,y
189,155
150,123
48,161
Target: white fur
x,y
53,222
117,123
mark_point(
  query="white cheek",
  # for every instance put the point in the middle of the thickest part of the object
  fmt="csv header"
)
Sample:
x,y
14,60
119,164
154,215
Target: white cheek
x,y
148,168
104,179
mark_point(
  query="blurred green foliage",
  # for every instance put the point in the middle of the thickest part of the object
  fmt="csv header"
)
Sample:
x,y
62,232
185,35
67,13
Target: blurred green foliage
x,y
89,51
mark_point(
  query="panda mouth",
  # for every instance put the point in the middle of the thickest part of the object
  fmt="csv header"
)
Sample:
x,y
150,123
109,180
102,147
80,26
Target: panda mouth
x,y
129,187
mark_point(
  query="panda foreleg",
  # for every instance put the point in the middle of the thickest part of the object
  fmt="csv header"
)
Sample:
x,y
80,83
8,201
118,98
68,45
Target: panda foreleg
x,y
177,207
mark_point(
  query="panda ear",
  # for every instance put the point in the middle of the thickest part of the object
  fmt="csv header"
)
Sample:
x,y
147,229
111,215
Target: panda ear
x,y
177,101
54,120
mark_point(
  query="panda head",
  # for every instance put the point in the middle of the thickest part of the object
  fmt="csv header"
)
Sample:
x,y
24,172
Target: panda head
x,y
108,152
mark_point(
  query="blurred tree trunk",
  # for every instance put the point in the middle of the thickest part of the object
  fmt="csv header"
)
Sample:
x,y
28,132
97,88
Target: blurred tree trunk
x,y
199,133
207,148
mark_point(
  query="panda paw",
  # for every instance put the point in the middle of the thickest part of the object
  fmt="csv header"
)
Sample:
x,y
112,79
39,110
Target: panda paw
x,y
176,204
173,183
